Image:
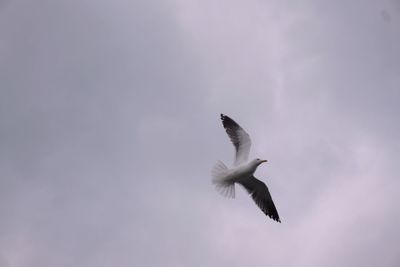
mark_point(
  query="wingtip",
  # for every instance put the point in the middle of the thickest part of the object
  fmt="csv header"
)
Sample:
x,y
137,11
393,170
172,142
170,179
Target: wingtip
x,y
276,219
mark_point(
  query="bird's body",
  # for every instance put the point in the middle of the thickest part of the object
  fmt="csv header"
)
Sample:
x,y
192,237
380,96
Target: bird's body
x,y
242,172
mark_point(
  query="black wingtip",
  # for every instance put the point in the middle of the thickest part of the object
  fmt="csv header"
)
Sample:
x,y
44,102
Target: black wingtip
x,y
223,117
226,118
275,219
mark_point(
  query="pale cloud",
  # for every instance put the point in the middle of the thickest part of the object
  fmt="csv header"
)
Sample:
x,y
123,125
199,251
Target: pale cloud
x,y
110,125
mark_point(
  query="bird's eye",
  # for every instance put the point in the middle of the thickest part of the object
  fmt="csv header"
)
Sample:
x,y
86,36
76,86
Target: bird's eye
x,y
258,159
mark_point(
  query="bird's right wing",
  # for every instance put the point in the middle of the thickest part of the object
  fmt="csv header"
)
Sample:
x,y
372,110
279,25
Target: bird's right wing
x,y
239,138
261,196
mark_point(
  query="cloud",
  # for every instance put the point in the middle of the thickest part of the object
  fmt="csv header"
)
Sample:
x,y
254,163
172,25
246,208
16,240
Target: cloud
x,y
110,125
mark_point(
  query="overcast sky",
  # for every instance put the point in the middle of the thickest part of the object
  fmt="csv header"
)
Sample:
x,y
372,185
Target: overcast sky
x,y
109,126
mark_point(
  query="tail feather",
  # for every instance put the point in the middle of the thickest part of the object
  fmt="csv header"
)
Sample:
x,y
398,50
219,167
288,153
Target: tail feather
x,y
219,178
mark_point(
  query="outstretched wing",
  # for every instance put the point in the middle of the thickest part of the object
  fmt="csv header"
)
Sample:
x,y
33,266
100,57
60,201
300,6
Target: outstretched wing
x,y
239,138
261,196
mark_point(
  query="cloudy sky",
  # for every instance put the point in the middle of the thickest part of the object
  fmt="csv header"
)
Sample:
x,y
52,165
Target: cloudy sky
x,y
109,126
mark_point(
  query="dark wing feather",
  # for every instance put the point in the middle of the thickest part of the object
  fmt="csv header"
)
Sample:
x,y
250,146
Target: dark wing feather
x,y
239,138
261,196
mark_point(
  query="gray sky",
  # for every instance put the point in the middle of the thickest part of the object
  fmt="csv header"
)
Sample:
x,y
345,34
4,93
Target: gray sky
x,y
109,126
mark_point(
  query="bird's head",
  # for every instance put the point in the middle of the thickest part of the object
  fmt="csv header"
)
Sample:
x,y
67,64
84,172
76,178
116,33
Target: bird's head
x,y
258,161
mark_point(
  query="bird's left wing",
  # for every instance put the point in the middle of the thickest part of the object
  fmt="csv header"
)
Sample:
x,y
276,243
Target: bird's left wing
x,y
239,138
261,196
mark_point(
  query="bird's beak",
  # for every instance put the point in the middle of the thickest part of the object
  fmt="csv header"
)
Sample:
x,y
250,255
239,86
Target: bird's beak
x,y
264,161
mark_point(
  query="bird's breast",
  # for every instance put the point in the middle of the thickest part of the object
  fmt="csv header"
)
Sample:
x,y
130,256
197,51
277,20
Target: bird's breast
x,y
242,172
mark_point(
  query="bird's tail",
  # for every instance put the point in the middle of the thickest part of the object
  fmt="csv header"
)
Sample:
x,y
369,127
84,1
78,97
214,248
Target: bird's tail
x,y
220,179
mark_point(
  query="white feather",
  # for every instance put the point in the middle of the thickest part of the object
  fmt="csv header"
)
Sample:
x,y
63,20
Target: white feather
x,y
221,180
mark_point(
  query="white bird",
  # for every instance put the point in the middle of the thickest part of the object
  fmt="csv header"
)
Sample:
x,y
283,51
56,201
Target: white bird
x,y
242,172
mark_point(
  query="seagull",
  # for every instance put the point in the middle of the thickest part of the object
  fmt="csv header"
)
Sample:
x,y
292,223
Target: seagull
x,y
242,171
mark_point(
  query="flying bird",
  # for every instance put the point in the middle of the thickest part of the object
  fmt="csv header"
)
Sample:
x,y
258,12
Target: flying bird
x,y
242,171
